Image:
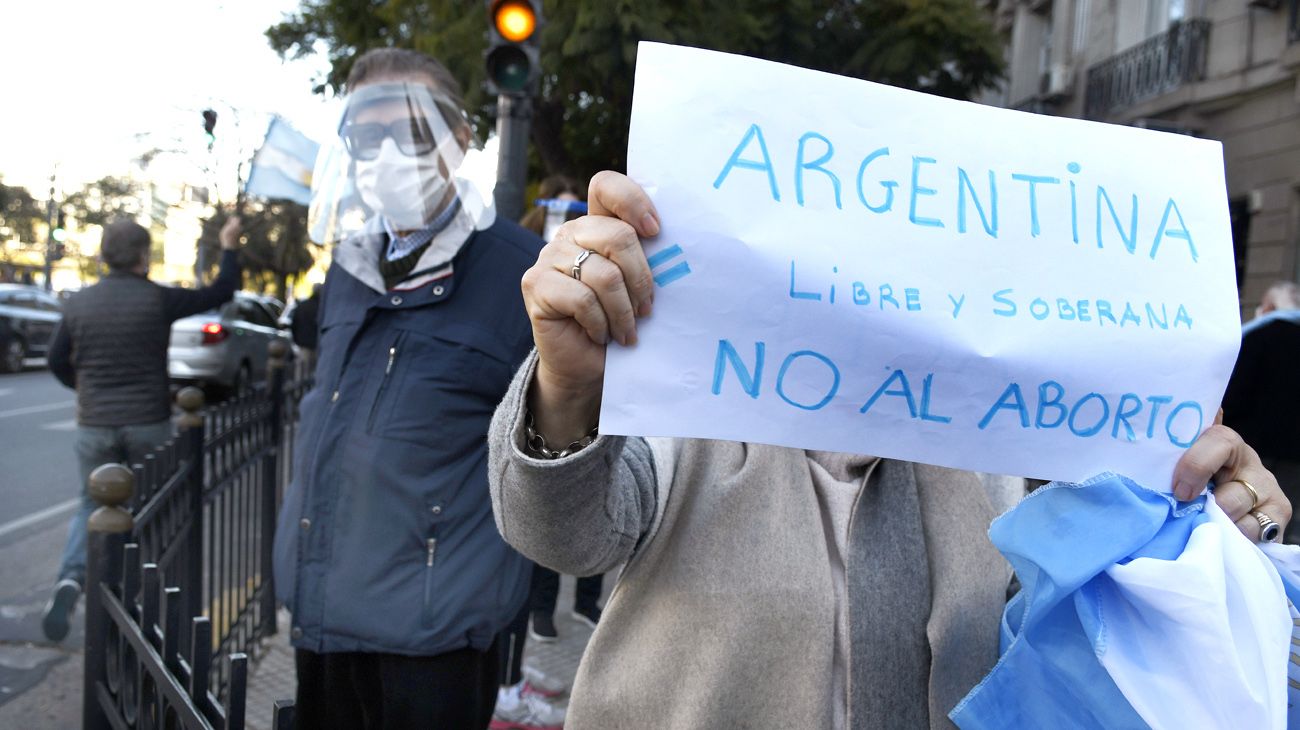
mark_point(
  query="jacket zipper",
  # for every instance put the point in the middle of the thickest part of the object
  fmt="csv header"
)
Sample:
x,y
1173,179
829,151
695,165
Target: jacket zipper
x,y
383,385
432,544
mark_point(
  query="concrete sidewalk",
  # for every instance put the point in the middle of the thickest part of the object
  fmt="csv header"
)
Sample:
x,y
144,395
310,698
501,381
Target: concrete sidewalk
x,y
273,676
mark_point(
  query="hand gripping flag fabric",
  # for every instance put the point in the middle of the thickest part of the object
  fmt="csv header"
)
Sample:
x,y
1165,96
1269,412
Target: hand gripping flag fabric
x,y
282,167
1136,611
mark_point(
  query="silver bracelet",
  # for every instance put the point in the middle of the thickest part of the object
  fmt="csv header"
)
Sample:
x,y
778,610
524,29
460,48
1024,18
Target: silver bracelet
x,y
536,445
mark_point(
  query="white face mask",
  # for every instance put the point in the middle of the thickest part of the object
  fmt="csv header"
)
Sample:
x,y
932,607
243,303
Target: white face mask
x,y
405,190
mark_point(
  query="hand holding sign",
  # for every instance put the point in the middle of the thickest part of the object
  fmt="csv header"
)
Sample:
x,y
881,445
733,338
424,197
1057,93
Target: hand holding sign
x,y
883,271
575,317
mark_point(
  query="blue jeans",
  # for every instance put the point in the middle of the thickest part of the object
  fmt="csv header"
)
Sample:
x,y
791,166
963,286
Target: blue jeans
x,y
98,445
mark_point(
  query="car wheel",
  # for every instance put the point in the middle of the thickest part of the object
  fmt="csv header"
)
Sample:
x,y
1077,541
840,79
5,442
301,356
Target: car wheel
x,y
14,353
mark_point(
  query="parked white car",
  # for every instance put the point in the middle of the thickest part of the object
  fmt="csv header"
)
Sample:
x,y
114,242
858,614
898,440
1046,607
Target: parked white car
x,y
226,347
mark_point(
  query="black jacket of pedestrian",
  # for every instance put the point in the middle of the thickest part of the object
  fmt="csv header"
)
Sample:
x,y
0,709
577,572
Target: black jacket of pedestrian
x,y
305,326
112,344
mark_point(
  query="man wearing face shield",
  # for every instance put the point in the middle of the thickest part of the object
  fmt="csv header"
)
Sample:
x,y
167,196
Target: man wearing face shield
x,y
386,552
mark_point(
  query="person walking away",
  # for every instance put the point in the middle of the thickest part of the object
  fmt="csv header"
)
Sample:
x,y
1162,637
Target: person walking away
x,y
111,347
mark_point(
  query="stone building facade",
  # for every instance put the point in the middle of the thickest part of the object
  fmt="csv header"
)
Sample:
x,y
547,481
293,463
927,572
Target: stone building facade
x,y
1220,69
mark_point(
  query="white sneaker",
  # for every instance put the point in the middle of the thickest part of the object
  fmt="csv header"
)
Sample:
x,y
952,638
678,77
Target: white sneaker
x,y
530,712
538,682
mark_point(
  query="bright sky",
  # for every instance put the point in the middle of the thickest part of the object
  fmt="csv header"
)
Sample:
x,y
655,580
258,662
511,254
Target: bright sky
x,y
90,85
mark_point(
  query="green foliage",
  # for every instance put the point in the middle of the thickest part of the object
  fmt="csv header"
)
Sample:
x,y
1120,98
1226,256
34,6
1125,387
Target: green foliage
x,y
20,213
103,201
583,107
275,244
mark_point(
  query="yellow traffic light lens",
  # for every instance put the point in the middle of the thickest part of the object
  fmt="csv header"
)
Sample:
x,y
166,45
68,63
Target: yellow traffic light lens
x,y
515,21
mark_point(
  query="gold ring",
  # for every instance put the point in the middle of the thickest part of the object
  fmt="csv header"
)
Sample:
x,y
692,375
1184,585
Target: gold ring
x,y
1269,531
1254,496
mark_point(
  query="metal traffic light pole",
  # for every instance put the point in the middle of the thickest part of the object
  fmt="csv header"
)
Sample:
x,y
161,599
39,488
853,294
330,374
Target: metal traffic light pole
x,y
514,117
49,239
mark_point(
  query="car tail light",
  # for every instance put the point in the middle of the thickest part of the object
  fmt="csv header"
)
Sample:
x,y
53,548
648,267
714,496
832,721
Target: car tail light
x,y
213,333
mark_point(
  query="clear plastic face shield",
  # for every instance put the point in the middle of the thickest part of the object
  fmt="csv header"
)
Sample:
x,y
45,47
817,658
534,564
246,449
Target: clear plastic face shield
x,y
401,156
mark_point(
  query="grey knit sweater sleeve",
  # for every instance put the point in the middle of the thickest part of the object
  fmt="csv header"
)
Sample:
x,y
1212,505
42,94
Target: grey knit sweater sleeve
x,y
584,514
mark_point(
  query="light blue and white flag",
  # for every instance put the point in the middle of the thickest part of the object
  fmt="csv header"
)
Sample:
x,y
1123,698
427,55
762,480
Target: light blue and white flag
x,y
282,168
1137,610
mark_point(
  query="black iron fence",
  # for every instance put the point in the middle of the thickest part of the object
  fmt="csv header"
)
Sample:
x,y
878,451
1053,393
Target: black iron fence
x,y
1156,66
179,592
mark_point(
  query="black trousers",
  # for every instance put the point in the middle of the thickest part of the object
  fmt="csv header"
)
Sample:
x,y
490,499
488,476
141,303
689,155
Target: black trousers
x,y
545,590
362,691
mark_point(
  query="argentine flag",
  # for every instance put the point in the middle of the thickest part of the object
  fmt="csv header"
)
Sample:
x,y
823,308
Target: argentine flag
x,y
282,167
1137,610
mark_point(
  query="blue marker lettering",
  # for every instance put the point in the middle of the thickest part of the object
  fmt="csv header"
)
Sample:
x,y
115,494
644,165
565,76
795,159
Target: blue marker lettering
x,y
815,296
905,392
749,380
956,305
1034,181
1000,297
1053,401
1122,415
1130,240
860,293
887,295
816,164
918,191
1091,430
1169,423
780,379
1162,321
1181,232
1156,401
1017,404
913,299
963,184
735,161
1104,313
888,185
925,402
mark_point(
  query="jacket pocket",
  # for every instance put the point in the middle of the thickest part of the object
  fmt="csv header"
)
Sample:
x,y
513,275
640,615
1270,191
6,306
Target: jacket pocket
x,y
389,360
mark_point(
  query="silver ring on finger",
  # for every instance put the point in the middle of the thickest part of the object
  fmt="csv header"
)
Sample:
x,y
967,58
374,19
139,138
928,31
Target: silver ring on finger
x,y
1269,531
576,271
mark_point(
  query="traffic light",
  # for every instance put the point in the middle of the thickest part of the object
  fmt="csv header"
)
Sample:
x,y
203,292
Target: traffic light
x,y
209,124
513,58
59,235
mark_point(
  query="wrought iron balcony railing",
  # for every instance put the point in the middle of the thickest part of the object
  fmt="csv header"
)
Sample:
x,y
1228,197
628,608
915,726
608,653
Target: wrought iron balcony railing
x,y
1156,66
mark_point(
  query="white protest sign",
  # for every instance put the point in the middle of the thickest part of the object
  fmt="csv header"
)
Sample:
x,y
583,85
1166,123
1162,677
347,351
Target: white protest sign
x,y
853,267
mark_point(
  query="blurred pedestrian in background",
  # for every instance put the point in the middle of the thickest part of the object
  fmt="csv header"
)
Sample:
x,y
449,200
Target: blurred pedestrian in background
x,y
1262,402
385,551
112,349
305,328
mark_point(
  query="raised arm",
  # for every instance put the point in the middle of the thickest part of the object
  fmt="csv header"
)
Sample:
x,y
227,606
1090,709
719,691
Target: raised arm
x,y
179,303
583,512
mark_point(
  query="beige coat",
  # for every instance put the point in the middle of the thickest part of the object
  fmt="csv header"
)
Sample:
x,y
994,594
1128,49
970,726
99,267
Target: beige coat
x,y
724,614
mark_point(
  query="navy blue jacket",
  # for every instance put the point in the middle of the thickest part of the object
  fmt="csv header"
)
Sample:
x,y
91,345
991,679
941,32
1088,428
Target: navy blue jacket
x,y
386,541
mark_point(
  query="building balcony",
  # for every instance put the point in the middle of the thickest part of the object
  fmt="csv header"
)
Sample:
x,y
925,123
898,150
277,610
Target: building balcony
x,y
1156,66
